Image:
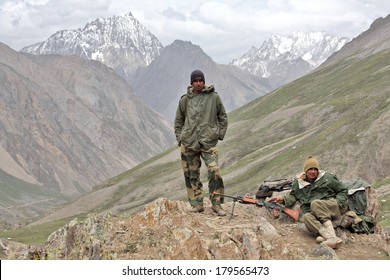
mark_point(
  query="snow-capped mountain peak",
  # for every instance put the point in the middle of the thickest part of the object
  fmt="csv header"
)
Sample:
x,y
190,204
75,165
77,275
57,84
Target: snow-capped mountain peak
x,y
120,42
313,48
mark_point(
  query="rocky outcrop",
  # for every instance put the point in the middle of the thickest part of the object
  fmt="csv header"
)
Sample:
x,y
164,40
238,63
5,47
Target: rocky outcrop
x,y
164,231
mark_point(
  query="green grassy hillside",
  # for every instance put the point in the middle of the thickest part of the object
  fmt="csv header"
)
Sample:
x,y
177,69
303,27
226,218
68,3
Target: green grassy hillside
x,y
31,201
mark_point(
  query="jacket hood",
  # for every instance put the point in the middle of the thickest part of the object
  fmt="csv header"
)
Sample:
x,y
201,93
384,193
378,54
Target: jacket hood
x,y
301,178
206,90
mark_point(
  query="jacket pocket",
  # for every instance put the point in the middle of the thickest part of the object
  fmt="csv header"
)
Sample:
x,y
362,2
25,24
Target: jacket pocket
x,y
187,136
210,135
213,131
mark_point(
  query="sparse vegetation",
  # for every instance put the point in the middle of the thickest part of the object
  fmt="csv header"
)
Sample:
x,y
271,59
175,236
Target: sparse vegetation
x,y
131,248
36,234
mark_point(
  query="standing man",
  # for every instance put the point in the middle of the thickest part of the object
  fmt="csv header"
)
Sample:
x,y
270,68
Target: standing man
x,y
201,121
321,196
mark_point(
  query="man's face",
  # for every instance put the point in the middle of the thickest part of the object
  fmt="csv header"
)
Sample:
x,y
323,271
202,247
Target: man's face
x,y
312,174
198,85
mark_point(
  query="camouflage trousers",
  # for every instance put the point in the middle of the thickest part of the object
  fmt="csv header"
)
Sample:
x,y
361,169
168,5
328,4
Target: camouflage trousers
x,y
191,163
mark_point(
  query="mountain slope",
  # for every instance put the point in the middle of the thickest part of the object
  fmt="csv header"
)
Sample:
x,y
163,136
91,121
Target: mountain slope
x,y
68,123
373,40
21,202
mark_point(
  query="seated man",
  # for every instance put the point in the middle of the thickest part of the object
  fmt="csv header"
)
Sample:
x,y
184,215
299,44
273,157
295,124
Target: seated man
x,y
321,196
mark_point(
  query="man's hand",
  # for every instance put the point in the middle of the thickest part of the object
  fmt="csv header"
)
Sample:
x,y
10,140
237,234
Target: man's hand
x,y
278,199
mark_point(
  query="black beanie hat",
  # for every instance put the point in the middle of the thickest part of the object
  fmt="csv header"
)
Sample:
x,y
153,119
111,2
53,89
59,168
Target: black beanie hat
x,y
197,74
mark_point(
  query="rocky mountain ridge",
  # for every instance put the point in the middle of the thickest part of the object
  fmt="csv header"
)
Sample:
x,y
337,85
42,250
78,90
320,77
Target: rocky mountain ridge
x,y
290,57
365,44
122,43
69,123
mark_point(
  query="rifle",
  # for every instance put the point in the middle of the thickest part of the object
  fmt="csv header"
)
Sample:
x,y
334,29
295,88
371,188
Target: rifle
x,y
268,187
276,207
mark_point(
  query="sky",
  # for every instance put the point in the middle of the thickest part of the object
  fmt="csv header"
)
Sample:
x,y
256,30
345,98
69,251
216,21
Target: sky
x,y
225,30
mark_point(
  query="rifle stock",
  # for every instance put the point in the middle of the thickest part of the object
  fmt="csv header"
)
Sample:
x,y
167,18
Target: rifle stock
x,y
294,214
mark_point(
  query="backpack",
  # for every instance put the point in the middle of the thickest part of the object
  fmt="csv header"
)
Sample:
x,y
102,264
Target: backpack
x,y
268,187
357,224
357,199
355,217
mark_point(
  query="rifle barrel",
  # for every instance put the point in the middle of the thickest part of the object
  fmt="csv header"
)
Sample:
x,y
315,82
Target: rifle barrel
x,y
234,197
294,214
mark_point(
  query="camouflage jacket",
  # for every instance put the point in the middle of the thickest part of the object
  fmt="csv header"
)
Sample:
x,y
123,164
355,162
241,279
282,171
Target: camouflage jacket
x,y
201,119
326,186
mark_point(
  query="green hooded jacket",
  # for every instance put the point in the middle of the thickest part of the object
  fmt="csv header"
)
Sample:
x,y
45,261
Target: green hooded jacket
x,y
201,119
326,186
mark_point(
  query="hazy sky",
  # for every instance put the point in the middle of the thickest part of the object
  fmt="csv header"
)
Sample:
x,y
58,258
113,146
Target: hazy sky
x,y
225,30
